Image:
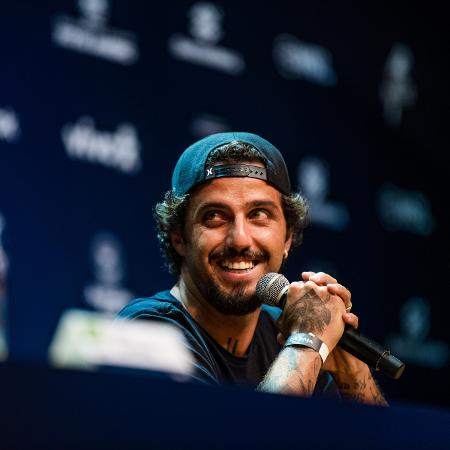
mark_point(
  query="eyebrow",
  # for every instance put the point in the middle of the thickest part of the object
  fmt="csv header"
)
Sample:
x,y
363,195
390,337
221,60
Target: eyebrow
x,y
252,204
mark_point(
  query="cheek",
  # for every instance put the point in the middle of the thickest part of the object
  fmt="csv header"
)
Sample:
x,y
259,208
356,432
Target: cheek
x,y
273,238
206,240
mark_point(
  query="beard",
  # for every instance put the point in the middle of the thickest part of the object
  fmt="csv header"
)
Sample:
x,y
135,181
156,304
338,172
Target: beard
x,y
238,302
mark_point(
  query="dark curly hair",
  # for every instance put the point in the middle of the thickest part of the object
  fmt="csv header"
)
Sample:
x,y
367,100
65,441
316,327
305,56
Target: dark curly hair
x,y
170,213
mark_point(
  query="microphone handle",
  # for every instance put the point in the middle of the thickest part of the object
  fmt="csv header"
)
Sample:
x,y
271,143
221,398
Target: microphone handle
x,y
373,354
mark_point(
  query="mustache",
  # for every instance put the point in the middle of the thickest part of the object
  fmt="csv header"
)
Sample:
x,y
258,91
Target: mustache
x,y
230,252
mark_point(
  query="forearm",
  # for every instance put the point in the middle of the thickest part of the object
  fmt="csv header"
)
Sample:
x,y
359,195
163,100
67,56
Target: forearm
x,y
295,372
361,388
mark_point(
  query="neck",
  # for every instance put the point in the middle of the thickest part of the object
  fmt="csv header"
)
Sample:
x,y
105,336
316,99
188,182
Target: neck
x,y
233,333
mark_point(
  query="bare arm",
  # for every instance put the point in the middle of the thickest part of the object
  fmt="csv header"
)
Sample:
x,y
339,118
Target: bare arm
x,y
361,388
309,308
318,305
295,371
353,377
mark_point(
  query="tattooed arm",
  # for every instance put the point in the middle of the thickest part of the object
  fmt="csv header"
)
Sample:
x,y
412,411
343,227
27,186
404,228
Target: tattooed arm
x,y
295,371
309,308
355,381
352,376
361,388
320,309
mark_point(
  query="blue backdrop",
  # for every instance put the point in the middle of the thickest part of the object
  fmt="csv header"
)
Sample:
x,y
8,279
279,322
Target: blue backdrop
x,y
99,97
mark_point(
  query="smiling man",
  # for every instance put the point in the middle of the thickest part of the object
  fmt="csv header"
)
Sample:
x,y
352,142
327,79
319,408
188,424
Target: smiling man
x,y
229,219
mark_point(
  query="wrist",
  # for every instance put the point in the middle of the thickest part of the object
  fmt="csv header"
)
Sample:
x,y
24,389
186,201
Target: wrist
x,y
310,341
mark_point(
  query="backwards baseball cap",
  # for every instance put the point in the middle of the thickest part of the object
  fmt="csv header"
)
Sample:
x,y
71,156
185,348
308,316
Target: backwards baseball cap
x,y
191,168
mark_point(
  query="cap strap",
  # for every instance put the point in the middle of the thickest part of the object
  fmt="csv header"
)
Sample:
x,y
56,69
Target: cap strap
x,y
236,170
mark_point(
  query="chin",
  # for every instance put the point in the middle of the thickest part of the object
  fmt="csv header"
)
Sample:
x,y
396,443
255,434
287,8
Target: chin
x,y
238,301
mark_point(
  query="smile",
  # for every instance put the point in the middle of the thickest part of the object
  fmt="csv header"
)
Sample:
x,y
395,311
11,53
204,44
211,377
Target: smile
x,y
240,266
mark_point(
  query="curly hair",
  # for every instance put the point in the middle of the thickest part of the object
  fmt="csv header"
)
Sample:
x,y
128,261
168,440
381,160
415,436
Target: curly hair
x,y
170,213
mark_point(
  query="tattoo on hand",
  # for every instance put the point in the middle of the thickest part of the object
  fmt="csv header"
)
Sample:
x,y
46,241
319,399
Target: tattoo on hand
x,y
312,312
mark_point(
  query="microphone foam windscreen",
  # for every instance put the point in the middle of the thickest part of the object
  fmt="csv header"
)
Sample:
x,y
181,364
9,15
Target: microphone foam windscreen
x,y
270,286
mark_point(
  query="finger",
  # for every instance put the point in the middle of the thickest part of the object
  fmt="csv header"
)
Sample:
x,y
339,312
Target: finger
x,y
341,291
306,275
299,289
322,278
321,291
351,319
338,301
296,289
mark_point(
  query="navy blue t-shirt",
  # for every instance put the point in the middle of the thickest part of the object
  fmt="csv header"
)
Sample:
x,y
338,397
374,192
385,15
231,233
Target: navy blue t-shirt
x,y
214,364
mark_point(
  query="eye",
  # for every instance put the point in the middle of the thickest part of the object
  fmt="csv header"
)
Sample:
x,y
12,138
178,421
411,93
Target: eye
x,y
260,214
214,218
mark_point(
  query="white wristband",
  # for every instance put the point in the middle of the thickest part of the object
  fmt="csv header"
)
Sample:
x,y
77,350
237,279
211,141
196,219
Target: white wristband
x,y
308,340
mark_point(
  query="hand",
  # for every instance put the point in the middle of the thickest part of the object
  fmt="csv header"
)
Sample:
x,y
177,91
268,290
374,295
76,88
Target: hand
x,y
311,299
339,361
313,308
323,279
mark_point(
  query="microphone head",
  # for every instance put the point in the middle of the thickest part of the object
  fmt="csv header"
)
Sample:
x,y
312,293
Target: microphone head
x,y
271,287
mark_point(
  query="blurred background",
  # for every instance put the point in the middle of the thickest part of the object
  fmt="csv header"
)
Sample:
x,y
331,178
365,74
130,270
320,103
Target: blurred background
x,y
99,97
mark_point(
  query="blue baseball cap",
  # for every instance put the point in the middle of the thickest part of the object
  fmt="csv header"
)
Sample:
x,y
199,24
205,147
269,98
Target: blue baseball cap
x,y
192,170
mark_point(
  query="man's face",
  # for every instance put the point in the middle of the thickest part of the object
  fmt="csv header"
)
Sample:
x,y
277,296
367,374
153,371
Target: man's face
x,y
235,232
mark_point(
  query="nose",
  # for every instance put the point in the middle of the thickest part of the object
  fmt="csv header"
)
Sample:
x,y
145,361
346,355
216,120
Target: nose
x,y
238,235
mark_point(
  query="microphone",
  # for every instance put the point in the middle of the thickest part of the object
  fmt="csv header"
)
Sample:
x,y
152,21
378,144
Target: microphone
x,y
272,289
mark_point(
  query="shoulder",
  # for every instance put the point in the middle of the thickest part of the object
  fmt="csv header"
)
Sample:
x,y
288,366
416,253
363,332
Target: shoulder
x,y
163,306
158,305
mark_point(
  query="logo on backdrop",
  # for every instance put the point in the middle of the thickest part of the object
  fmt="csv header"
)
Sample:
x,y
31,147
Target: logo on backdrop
x,y
313,180
403,210
397,90
295,59
9,125
107,293
201,47
91,35
119,149
3,273
413,343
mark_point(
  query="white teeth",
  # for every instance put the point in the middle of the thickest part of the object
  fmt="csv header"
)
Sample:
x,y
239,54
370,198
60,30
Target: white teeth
x,y
242,265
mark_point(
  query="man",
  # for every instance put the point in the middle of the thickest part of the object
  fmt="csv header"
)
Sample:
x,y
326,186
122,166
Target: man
x,y
230,218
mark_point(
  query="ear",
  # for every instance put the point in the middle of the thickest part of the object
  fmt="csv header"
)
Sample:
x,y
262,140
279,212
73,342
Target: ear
x,y
178,243
288,243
